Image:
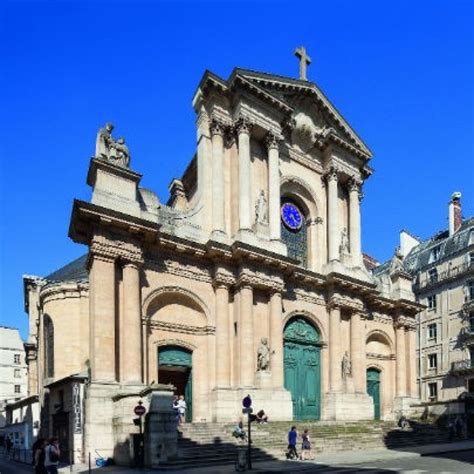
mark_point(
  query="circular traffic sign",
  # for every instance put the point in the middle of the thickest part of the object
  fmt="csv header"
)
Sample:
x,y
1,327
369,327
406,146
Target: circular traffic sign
x,y
247,401
139,410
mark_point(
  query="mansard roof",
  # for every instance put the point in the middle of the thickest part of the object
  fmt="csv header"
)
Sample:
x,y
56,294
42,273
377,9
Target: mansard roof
x,y
276,89
73,271
419,257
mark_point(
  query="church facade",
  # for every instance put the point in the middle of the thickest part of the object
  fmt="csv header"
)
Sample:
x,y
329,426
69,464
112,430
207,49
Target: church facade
x,y
249,280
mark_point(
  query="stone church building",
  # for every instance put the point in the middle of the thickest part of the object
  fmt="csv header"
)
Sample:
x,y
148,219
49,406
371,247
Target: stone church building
x,y
250,279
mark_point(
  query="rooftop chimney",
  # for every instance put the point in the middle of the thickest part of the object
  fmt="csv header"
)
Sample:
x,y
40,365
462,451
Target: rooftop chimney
x,y
455,219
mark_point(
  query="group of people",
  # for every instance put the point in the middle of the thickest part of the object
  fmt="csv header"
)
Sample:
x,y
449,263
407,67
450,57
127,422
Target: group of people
x,y
46,456
305,445
179,406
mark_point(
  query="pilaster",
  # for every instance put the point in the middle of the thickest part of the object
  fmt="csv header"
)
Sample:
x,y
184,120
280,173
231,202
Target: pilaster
x,y
333,214
243,129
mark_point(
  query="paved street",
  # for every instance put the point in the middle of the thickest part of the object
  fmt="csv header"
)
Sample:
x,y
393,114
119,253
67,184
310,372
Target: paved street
x,y
456,462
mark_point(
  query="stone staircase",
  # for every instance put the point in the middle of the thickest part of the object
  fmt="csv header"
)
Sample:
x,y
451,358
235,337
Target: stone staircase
x,y
204,444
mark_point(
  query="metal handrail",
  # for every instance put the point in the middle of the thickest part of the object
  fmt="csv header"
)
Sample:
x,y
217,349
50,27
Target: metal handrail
x,y
452,272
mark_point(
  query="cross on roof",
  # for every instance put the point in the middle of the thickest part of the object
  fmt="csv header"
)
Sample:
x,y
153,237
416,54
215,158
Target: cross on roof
x,y
305,60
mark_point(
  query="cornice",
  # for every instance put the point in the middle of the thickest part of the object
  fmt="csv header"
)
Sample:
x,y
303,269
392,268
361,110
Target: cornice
x,y
63,290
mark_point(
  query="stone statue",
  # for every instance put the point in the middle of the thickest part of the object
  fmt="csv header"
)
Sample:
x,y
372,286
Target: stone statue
x,y
263,355
396,264
261,209
106,148
344,247
119,153
104,140
346,366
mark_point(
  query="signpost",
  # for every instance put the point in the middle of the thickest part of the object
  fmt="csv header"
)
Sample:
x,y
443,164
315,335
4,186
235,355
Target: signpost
x,y
140,410
247,404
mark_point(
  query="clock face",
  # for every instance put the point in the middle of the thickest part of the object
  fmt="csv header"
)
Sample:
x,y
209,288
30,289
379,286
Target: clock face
x,y
291,216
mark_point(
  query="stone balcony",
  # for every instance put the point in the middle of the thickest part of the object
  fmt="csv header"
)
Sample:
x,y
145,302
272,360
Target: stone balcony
x,y
462,367
444,276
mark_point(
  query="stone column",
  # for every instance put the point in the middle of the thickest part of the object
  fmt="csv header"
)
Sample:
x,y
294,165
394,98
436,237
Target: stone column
x,y
218,200
333,216
358,352
354,221
273,187
222,336
334,349
401,359
131,358
247,356
243,128
276,338
102,318
412,375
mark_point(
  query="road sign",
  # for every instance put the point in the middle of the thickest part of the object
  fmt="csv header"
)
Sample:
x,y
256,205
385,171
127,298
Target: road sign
x,y
247,402
139,410
246,411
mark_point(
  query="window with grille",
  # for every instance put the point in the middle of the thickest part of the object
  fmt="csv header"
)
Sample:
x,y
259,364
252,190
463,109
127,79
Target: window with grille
x,y
17,389
295,236
435,254
433,390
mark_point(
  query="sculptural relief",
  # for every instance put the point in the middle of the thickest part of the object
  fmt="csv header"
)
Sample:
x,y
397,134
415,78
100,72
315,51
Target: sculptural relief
x,y
111,150
261,209
263,355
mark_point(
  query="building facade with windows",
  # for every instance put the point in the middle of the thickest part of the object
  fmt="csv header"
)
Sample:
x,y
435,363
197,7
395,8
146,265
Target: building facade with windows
x,y
249,280
443,271
13,369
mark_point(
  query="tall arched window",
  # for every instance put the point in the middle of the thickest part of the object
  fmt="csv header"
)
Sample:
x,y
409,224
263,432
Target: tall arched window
x,y
294,232
48,347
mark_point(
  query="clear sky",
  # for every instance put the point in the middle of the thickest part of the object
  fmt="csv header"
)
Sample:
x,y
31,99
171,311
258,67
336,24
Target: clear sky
x,y
400,72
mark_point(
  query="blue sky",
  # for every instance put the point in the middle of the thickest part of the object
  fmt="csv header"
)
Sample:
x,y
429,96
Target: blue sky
x,y
401,73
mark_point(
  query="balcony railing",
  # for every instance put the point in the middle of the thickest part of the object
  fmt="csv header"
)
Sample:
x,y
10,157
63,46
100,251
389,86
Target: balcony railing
x,y
465,366
449,274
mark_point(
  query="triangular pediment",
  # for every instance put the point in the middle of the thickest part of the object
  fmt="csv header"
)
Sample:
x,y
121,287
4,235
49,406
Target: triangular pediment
x,y
308,103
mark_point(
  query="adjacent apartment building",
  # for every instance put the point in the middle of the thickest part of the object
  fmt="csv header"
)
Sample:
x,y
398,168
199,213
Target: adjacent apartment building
x,y
443,280
13,369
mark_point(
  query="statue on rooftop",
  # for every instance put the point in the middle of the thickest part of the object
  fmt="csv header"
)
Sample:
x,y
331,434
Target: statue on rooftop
x,y
344,246
108,149
396,264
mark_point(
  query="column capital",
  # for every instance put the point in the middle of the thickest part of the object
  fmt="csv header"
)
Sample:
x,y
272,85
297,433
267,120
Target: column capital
x,y
223,277
314,221
332,173
272,141
243,125
136,264
216,127
354,184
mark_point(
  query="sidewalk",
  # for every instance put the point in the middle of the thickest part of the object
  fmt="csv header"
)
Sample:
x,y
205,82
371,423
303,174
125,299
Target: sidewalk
x,y
322,461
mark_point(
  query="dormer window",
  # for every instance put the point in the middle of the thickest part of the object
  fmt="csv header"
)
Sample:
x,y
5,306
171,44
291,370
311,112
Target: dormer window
x,y
435,254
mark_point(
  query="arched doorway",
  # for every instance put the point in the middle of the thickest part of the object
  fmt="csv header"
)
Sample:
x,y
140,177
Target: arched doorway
x,y
373,389
303,368
175,366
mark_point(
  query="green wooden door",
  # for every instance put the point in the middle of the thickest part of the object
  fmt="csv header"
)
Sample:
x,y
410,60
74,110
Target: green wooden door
x,y
302,369
373,389
176,357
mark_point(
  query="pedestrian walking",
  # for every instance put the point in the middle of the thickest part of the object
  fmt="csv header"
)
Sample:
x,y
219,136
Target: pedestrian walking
x,y
459,427
292,437
51,458
39,456
8,444
176,410
305,445
182,409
